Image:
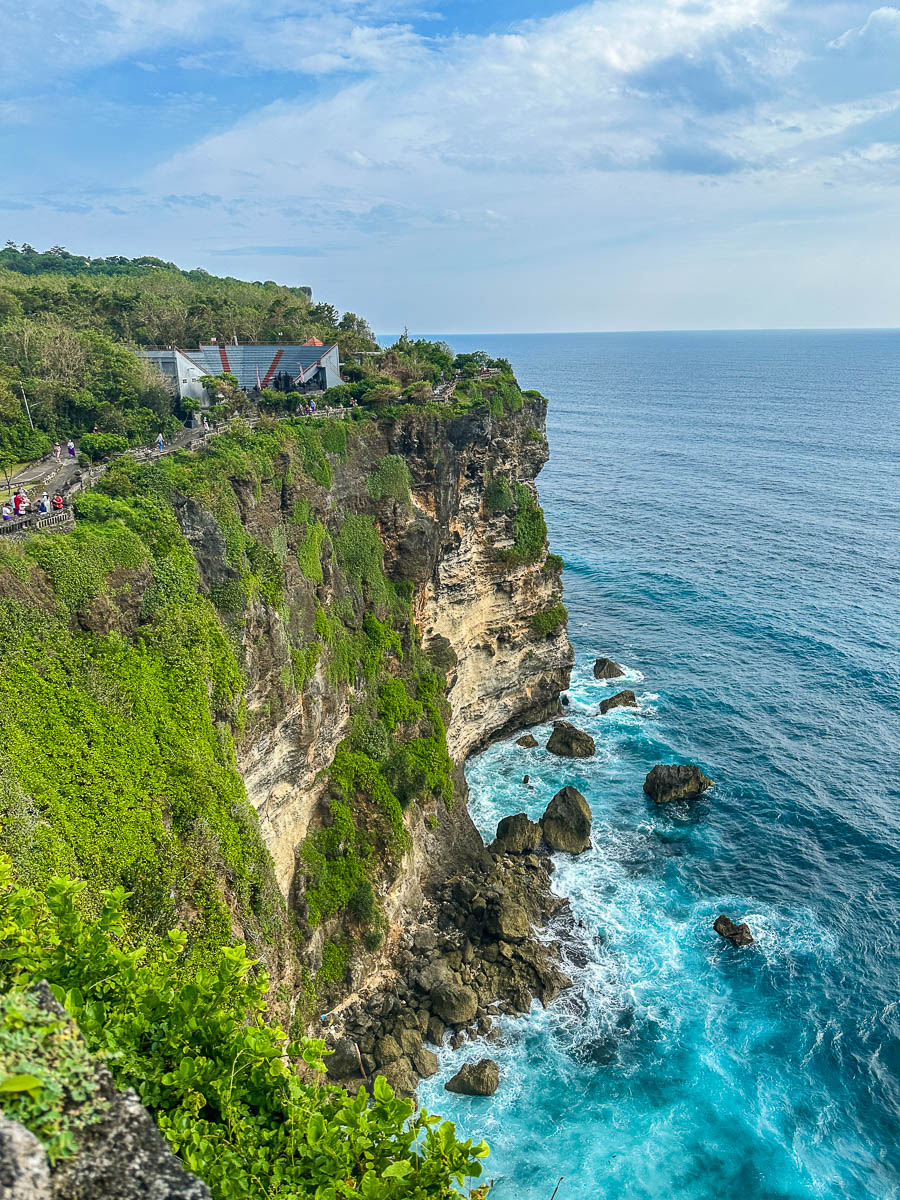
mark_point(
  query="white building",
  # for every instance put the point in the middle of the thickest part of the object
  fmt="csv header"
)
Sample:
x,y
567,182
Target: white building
x,y
310,367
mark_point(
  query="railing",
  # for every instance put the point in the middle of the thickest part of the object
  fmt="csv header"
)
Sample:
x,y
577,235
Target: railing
x,y
53,520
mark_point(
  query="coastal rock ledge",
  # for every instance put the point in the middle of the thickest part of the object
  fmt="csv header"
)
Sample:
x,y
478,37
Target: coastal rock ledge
x,y
475,1079
605,668
675,781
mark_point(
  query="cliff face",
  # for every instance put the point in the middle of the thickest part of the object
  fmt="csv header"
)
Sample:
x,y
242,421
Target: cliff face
x,y
473,603
314,620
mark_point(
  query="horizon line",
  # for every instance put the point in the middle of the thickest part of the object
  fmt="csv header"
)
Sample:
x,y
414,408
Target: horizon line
x,y
613,332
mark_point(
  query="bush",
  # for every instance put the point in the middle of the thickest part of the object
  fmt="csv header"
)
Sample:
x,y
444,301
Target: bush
x,y
529,527
362,904
546,622
102,445
258,1130
390,479
498,497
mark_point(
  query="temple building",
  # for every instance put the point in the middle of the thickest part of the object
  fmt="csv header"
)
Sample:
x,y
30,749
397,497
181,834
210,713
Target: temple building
x,y
311,367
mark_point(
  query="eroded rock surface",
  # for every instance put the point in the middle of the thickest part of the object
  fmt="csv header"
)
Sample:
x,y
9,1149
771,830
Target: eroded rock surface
x,y
475,1079
569,742
675,781
624,699
566,823
605,668
517,834
739,935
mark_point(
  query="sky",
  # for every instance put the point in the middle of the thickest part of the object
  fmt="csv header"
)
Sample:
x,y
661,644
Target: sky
x,y
465,166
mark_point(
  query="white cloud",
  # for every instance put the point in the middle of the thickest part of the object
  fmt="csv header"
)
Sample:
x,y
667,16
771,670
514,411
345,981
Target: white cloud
x,y
880,32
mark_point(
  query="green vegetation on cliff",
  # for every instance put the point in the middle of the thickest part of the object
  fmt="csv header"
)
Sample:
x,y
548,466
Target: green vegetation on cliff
x,y
243,1106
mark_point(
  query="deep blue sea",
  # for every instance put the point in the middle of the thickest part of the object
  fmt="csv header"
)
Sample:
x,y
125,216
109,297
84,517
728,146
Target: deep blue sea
x,y
728,506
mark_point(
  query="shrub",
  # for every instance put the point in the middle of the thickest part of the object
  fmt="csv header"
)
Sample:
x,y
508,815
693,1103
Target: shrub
x,y
553,564
102,445
362,904
220,1080
546,622
390,479
498,497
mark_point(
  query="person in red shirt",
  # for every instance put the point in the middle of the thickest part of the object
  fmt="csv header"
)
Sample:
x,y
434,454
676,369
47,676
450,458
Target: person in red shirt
x,y
57,502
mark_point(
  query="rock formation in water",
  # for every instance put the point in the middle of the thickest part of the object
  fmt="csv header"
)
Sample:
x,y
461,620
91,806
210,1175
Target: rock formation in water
x,y
475,1079
739,935
625,699
605,668
566,823
675,781
569,742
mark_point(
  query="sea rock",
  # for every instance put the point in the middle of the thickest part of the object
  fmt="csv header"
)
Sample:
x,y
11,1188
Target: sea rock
x,y
566,823
401,1076
475,1079
387,1049
426,1063
527,740
624,699
517,834
605,668
569,742
510,921
454,1003
675,781
740,935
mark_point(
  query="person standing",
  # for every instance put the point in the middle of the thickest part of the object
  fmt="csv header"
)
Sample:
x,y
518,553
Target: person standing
x,y
57,502
57,451
159,442
205,425
70,446
7,511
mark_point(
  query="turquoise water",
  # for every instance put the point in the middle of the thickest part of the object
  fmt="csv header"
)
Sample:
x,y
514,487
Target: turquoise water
x,y
727,505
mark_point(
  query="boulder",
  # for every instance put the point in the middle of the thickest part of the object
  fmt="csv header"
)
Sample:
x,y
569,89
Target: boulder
x,y
426,1063
739,935
624,699
454,1003
566,824
675,781
387,1049
24,1170
510,921
343,1063
475,1079
410,1042
569,742
517,835
401,1076
527,740
605,668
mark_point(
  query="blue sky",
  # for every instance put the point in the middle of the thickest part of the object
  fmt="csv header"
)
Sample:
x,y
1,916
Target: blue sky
x,y
465,166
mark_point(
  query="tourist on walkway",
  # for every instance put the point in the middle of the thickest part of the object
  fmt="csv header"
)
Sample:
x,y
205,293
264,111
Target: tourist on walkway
x,y
159,442
44,503
57,502
70,446
57,451
205,424
7,511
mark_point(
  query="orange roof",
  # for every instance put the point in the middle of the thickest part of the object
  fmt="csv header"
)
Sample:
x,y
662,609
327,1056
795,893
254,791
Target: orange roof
x,y
313,342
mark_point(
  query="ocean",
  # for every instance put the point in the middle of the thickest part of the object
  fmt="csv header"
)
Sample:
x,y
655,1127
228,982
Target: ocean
x,y
728,507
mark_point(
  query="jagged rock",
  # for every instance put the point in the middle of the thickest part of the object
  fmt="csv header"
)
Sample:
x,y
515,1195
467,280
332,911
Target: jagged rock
x,y
566,824
517,834
569,742
436,1030
343,1062
401,1076
510,921
387,1049
625,699
24,1171
454,1003
434,975
675,781
424,939
426,1063
605,668
410,1042
475,1079
528,741
740,935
